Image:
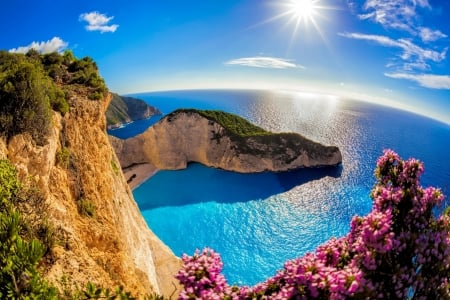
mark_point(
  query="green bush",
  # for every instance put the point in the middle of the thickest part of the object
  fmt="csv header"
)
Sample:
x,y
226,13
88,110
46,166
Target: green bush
x,y
33,85
63,157
86,207
19,256
24,101
96,95
28,95
19,277
68,58
85,72
10,186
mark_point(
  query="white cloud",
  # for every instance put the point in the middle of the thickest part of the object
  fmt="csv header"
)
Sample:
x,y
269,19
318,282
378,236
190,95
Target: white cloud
x,y
380,39
429,35
264,62
426,80
56,44
98,22
352,6
416,52
422,66
412,54
395,14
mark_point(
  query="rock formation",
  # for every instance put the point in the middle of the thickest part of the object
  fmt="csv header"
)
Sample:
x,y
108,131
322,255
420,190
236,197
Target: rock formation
x,y
192,136
113,247
123,110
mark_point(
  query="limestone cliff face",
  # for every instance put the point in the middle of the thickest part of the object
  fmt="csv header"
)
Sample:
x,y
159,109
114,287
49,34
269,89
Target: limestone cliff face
x,y
187,136
115,246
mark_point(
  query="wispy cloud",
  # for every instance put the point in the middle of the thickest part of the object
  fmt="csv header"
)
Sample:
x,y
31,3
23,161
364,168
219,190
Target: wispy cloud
x,y
412,54
396,14
98,22
264,62
403,15
418,52
56,44
429,35
426,80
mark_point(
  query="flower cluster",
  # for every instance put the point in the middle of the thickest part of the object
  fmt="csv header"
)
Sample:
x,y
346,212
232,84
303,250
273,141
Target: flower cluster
x,y
400,250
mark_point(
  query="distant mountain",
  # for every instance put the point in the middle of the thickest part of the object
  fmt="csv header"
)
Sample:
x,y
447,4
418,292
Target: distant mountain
x,y
123,110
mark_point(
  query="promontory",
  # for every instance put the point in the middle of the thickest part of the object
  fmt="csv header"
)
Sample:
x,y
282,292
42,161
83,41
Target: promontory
x,y
122,110
221,140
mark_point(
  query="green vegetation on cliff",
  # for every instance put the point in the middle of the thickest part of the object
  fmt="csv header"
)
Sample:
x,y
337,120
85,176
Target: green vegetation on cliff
x,y
26,240
22,243
32,85
235,124
254,140
32,88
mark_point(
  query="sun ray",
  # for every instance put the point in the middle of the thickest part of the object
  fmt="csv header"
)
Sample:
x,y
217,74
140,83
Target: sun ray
x,y
303,16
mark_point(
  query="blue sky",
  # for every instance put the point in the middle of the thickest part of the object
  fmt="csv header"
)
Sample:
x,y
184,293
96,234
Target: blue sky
x,y
392,52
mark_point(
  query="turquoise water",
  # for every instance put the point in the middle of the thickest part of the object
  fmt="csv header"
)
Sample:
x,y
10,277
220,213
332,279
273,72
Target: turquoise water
x,y
258,221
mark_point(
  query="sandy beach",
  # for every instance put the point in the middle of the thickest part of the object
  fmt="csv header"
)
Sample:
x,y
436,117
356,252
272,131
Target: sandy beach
x,y
137,174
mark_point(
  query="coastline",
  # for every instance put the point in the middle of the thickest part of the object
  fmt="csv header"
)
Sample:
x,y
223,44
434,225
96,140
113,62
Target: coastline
x,y
139,173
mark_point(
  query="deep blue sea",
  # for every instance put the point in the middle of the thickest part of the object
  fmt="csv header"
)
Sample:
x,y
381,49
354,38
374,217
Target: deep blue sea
x,y
258,221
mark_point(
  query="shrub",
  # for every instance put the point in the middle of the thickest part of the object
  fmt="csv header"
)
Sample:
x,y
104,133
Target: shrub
x,y
68,57
63,157
24,103
28,94
96,95
85,72
19,255
19,278
400,250
9,185
86,207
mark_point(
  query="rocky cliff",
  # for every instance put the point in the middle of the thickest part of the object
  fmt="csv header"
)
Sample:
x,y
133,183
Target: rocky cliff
x,y
194,136
123,110
111,245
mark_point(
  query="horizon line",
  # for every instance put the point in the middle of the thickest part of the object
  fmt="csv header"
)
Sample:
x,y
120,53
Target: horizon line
x,y
344,96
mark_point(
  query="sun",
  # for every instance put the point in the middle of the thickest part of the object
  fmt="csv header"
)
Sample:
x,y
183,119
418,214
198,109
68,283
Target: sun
x,y
303,16
302,10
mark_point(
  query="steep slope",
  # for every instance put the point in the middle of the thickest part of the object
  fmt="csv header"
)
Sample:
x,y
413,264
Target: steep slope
x,y
126,109
198,136
100,234
114,246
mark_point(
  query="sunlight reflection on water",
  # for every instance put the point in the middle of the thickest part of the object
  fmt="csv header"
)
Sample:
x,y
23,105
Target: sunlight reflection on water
x,y
258,221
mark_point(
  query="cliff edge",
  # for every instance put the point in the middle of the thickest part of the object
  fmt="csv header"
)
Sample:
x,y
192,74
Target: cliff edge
x,y
53,131
113,245
221,140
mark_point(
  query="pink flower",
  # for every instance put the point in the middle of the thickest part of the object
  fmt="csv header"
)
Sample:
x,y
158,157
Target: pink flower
x,y
398,249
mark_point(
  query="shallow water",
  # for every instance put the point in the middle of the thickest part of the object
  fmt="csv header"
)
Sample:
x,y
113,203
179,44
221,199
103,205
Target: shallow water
x,y
258,221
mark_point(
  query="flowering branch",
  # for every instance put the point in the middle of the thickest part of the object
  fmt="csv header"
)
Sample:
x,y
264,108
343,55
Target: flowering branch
x,y
400,250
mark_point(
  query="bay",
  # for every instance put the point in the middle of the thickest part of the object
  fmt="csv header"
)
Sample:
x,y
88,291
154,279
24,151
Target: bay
x,y
258,221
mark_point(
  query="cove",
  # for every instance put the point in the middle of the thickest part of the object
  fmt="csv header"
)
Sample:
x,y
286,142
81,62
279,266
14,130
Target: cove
x,y
258,221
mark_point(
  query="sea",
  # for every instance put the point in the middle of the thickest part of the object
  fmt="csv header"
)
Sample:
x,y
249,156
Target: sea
x,y
259,221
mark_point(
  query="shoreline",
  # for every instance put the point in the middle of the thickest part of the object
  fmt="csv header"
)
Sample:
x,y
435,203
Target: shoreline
x,y
138,174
